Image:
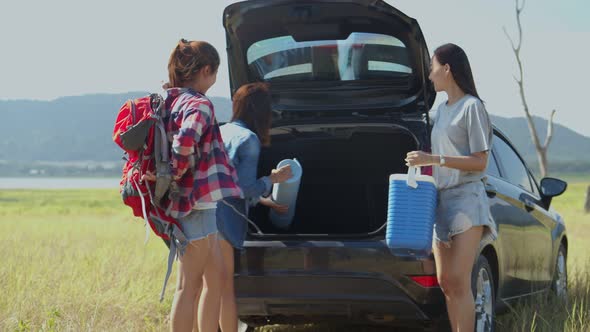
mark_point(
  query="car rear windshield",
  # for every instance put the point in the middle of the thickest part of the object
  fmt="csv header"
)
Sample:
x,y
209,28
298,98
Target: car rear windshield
x,y
361,56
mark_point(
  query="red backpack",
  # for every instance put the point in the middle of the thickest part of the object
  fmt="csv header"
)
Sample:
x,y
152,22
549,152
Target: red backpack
x,y
140,130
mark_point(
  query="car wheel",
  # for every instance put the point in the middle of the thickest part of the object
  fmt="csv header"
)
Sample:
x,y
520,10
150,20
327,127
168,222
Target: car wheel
x,y
559,284
482,281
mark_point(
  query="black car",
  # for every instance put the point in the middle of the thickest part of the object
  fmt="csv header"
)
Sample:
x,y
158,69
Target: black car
x,y
351,96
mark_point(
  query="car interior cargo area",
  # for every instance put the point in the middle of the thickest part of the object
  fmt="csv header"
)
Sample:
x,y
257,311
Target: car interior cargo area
x,y
346,168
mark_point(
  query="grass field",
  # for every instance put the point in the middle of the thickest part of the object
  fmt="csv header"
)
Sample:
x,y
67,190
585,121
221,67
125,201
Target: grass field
x,y
74,260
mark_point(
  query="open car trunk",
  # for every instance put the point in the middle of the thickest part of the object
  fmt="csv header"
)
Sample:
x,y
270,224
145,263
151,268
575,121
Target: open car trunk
x,y
345,178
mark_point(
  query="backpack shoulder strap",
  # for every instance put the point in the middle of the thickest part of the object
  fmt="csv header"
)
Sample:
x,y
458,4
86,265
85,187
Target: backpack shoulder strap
x,y
132,106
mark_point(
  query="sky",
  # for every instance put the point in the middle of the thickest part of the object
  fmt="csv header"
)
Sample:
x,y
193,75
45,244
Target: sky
x,y
61,48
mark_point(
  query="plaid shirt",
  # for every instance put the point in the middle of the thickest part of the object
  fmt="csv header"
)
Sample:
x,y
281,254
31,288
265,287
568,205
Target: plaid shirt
x,y
200,165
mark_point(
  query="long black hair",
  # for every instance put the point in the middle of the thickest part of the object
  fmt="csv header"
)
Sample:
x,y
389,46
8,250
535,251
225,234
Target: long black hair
x,y
456,58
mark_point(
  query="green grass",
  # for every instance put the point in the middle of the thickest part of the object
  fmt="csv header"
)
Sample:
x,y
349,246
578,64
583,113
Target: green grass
x,y
74,260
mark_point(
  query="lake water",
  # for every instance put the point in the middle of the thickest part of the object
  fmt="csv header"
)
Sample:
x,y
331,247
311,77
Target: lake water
x,y
59,183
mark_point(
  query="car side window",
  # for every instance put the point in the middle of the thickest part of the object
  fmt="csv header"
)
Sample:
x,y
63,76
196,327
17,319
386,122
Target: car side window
x,y
492,168
513,169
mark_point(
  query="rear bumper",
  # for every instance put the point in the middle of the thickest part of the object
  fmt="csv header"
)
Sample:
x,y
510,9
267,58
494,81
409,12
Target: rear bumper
x,y
285,299
295,283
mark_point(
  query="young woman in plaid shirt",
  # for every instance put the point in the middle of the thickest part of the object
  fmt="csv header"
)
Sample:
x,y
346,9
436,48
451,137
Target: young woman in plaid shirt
x,y
203,175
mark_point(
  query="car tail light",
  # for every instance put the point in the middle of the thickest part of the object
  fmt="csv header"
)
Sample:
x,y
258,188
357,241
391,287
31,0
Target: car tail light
x,y
425,281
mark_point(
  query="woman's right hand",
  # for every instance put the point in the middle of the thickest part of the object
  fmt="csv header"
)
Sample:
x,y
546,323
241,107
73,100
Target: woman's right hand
x,y
281,175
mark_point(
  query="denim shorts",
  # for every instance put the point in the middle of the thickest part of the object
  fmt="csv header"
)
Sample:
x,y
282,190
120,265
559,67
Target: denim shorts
x,y
199,224
460,208
231,225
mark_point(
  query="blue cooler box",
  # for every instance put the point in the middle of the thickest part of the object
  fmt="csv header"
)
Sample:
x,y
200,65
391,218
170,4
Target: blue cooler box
x,y
411,213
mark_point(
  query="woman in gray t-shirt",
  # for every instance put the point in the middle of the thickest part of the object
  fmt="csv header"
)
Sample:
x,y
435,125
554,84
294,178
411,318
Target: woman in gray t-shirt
x,y
461,138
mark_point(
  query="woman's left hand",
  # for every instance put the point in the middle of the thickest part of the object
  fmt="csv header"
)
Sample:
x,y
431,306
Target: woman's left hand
x,y
419,158
281,209
148,176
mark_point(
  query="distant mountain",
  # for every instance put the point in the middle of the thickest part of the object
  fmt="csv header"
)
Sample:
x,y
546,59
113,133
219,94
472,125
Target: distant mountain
x,y
79,129
566,145
68,128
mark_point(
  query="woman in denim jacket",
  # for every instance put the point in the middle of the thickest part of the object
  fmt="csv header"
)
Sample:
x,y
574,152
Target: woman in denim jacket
x,y
243,137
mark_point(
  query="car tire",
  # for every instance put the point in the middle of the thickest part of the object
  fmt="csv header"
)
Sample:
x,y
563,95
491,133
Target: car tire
x,y
482,283
559,284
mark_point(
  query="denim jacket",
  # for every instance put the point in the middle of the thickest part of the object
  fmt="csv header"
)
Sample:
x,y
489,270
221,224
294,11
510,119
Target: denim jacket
x,y
243,148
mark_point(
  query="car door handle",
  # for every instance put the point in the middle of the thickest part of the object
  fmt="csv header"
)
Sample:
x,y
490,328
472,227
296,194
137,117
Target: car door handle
x,y
491,190
528,204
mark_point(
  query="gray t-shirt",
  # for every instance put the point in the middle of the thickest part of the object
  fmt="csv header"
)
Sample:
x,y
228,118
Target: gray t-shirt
x,y
459,130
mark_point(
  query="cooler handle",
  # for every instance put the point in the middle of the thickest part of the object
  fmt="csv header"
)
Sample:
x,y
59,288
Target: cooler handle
x,y
412,173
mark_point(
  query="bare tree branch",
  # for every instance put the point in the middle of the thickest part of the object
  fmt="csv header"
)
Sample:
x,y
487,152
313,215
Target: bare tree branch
x,y
519,9
509,39
516,80
529,118
549,131
518,12
516,47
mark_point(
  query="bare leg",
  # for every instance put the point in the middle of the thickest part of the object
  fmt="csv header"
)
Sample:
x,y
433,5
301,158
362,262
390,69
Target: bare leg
x,y
229,315
196,309
190,274
214,276
442,258
454,266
